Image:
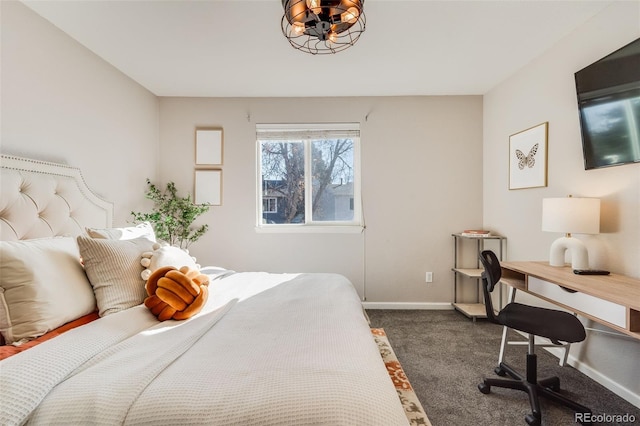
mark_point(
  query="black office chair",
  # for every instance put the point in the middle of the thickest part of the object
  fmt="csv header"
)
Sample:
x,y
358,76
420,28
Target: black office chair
x,y
555,325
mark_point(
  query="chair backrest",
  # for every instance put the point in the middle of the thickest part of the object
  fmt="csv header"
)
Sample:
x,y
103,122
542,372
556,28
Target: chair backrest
x,y
490,278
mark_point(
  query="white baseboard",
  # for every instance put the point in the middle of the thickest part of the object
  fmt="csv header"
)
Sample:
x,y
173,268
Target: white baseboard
x,y
621,391
615,387
408,305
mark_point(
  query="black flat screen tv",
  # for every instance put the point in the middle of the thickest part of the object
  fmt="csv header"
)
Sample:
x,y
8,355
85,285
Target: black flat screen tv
x,y
609,105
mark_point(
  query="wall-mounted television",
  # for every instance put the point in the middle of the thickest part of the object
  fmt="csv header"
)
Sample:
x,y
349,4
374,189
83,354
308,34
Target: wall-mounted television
x,y
609,104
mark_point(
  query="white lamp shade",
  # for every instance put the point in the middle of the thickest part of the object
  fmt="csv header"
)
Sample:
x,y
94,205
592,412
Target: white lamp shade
x,y
571,215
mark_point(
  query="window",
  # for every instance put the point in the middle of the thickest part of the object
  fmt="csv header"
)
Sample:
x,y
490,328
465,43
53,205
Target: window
x,y
308,175
269,204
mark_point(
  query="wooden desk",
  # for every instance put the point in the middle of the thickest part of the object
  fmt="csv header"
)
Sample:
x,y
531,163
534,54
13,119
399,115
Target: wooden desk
x,y
612,300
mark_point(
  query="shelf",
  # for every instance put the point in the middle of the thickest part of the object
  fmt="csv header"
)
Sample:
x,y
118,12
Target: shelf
x,y
513,278
515,283
488,237
471,310
465,273
469,272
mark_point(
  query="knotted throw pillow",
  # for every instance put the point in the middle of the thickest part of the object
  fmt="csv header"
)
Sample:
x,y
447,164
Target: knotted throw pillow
x,y
176,293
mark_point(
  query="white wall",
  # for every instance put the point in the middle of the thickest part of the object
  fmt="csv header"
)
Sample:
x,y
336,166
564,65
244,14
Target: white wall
x,y
422,178
421,174
542,91
62,103
421,181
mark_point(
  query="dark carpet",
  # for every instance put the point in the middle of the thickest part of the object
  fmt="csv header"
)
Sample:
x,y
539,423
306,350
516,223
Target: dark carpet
x,y
445,355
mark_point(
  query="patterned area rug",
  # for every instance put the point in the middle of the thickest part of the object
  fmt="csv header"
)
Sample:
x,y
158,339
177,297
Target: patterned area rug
x,y
410,403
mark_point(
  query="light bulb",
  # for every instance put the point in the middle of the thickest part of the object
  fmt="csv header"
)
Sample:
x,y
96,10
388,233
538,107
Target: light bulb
x,y
314,5
350,16
298,28
332,37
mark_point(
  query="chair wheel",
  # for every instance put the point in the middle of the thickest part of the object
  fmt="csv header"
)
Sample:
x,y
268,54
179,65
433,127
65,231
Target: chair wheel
x,y
484,388
499,371
532,420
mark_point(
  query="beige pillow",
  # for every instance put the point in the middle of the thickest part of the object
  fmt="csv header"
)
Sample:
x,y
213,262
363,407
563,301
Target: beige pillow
x,y
143,229
42,286
113,268
166,256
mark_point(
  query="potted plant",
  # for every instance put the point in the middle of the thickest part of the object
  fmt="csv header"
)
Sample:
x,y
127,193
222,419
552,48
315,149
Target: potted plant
x,y
172,216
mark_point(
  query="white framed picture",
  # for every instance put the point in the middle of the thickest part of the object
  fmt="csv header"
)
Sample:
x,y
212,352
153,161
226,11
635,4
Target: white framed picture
x,y
208,187
209,147
528,157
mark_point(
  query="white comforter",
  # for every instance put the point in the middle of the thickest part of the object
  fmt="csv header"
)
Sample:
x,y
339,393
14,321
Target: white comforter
x,y
268,349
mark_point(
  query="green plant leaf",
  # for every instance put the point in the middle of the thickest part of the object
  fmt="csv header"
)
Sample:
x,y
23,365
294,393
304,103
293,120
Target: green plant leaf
x,y
172,216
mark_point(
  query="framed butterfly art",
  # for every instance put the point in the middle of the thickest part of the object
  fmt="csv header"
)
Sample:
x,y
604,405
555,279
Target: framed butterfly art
x,y
528,157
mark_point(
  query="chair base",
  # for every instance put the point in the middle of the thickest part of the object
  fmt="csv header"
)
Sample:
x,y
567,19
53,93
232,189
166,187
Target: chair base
x,y
547,388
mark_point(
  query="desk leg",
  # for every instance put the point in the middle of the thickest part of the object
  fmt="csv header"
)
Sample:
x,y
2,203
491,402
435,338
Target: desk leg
x,y
503,344
567,347
563,360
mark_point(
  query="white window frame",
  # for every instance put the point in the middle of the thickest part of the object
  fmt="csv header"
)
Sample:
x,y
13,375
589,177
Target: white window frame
x,y
330,131
271,200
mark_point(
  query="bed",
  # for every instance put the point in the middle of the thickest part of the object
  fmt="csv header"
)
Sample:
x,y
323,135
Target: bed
x,y
266,349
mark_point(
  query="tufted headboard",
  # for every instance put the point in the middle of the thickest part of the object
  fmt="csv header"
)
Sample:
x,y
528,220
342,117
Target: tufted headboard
x,y
41,199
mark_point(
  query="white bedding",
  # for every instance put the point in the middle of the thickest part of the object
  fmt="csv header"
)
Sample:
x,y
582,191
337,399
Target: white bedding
x,y
268,349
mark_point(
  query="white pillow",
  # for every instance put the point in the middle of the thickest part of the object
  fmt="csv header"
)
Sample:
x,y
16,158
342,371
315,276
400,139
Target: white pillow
x,y
143,229
113,268
166,256
42,286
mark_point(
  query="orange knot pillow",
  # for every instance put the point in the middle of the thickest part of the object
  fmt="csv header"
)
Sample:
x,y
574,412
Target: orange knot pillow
x,y
176,293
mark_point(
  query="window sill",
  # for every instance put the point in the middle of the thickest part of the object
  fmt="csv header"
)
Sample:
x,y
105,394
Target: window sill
x,y
309,229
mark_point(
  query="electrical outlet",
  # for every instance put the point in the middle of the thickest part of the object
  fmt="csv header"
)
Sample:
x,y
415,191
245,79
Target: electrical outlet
x,y
428,277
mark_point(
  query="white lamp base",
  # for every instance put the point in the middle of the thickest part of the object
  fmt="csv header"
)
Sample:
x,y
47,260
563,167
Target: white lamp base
x,y
577,249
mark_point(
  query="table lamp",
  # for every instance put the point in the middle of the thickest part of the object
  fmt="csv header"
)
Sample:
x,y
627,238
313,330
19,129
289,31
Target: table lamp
x,y
572,216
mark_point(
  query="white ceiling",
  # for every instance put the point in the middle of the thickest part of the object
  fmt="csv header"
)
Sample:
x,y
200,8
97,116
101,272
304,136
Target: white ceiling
x,y
235,48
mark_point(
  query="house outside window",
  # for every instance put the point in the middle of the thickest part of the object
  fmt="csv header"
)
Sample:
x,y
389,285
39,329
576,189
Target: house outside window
x,y
269,204
309,177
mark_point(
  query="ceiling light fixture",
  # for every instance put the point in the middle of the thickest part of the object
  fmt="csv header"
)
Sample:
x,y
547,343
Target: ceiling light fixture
x,y
321,27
